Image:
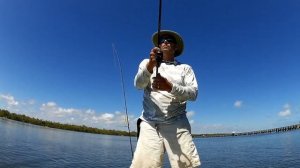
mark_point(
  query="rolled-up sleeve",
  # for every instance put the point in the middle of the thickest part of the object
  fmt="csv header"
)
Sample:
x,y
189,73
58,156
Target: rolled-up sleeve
x,y
142,78
189,89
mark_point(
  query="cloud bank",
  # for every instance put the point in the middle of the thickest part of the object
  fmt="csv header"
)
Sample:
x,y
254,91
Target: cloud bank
x,y
238,104
51,111
286,111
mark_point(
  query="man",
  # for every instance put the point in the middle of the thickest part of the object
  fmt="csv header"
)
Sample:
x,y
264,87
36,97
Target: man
x,y
164,125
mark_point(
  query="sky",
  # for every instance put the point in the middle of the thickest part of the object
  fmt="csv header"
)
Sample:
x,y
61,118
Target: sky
x,y
57,61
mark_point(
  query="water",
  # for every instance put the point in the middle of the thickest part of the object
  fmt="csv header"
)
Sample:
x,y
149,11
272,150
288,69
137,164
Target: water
x,y
261,151
24,145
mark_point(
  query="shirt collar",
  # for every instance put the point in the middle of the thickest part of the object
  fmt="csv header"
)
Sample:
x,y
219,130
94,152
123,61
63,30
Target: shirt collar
x,y
171,62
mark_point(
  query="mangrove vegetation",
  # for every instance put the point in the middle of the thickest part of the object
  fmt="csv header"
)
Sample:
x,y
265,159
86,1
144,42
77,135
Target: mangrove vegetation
x,y
83,128
71,127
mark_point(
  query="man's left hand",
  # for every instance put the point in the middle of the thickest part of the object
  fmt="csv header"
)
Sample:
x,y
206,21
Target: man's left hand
x,y
161,83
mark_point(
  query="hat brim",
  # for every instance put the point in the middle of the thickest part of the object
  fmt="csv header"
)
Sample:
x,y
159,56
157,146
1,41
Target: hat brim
x,y
179,40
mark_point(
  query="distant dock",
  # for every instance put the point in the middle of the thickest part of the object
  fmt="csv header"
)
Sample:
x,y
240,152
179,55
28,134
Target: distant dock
x,y
267,131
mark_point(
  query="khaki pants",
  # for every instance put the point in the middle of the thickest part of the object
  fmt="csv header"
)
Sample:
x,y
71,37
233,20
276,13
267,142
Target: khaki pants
x,y
173,138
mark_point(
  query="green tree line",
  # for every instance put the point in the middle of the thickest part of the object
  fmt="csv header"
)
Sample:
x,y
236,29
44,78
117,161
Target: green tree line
x,y
71,127
83,128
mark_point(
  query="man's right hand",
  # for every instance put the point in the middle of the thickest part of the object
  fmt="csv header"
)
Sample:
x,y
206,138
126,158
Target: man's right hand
x,y
152,60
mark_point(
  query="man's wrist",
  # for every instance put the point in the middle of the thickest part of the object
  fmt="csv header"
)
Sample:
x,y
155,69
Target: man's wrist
x,y
149,67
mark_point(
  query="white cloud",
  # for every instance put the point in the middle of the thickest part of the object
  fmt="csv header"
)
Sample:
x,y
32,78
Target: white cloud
x,y
9,100
216,128
286,106
107,117
90,111
51,111
54,110
31,102
28,102
286,111
10,103
238,104
189,114
114,120
49,104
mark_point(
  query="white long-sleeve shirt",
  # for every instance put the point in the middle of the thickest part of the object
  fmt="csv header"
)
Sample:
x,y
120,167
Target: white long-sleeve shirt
x,y
162,106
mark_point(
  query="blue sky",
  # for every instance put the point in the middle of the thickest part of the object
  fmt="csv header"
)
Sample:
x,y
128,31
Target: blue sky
x,y
56,60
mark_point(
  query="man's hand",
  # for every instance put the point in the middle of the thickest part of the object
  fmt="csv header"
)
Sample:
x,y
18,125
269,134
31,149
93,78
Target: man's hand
x,y
152,60
161,83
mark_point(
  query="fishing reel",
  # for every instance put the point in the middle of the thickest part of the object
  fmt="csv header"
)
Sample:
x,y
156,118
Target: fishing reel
x,y
159,59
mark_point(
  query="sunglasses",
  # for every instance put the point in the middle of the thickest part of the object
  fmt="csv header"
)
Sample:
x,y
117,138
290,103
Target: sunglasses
x,y
167,39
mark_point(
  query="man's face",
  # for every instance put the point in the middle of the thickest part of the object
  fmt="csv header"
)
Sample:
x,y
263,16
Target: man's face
x,y
167,44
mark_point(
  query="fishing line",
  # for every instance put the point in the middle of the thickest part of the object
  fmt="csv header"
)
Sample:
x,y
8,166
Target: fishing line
x,y
115,54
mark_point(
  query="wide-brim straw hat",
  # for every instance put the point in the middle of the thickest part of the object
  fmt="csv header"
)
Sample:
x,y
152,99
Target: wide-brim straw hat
x,y
178,38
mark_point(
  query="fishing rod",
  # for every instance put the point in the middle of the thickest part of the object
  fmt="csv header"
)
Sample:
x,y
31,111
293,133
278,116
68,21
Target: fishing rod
x,y
159,54
158,57
115,54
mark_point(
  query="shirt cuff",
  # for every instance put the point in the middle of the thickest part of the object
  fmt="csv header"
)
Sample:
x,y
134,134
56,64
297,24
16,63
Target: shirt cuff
x,y
146,72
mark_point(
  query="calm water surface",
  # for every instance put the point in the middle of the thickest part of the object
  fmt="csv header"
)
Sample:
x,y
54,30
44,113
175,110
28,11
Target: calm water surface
x,y
24,145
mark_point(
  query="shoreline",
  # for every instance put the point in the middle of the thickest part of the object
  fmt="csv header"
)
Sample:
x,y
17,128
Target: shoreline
x,y
4,114
50,124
